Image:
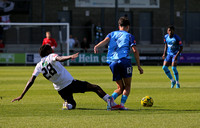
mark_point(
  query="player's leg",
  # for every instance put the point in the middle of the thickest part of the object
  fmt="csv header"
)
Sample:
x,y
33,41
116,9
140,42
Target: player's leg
x,y
71,104
119,90
115,69
166,64
126,71
67,96
166,70
99,91
84,86
126,91
175,71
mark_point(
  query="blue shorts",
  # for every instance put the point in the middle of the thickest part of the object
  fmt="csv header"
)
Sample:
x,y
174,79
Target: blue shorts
x,y
121,69
170,58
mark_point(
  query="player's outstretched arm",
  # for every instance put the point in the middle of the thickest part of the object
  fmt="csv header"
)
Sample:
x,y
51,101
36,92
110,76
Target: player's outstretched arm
x,y
64,58
100,44
28,85
137,58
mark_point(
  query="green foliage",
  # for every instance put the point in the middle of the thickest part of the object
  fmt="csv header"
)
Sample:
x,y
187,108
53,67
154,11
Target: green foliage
x,y
41,106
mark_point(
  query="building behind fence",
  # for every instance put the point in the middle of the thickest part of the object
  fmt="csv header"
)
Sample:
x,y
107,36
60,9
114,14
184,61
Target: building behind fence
x,y
148,23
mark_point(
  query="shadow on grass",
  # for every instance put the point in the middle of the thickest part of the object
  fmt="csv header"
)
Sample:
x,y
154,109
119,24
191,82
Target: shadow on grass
x,y
90,109
149,110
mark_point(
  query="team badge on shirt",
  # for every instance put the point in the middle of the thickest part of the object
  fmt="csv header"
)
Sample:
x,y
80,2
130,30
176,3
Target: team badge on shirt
x,y
44,63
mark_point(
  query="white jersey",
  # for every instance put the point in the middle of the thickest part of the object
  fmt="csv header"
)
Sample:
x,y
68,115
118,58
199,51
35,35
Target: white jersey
x,y
53,71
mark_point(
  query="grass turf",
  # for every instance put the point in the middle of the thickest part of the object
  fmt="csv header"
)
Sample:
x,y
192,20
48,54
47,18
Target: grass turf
x,y
41,106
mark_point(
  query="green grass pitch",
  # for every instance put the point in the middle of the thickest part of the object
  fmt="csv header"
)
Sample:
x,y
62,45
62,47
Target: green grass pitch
x,y
41,106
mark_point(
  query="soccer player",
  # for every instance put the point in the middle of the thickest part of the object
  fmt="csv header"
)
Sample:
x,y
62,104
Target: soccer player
x,y
119,60
173,48
63,82
50,41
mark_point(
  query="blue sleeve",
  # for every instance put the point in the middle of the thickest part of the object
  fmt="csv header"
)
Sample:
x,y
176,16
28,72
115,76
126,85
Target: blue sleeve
x,y
165,39
132,40
109,36
178,40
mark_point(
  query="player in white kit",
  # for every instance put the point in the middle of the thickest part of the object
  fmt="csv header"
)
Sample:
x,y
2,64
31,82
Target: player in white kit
x,y
63,82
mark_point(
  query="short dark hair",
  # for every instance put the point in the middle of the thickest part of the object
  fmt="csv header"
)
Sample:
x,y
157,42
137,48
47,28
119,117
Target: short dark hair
x,y
44,50
123,21
171,27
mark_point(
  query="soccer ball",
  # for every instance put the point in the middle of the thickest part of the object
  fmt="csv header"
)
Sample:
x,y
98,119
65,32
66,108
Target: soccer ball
x,y
147,101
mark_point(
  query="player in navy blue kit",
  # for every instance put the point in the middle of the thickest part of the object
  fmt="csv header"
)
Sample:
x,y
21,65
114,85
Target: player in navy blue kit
x,y
173,48
119,60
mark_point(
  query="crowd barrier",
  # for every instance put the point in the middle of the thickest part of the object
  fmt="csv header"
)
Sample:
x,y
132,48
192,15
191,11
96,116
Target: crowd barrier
x,y
94,59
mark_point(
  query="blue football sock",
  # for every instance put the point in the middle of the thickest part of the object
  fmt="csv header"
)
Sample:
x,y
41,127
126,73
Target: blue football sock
x,y
123,99
167,72
114,95
176,76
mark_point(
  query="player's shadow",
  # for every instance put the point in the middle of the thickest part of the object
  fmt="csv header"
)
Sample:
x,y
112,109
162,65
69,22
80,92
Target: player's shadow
x,y
90,109
149,110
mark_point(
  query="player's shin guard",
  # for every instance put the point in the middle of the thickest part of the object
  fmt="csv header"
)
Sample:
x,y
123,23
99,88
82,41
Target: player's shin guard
x,y
176,76
114,95
123,99
167,72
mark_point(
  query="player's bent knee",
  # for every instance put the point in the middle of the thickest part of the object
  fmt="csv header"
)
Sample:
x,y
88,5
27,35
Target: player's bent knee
x,y
93,87
120,91
174,69
165,68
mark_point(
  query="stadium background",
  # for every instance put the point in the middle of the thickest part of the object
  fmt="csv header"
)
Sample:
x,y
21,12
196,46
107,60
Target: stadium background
x,y
148,25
